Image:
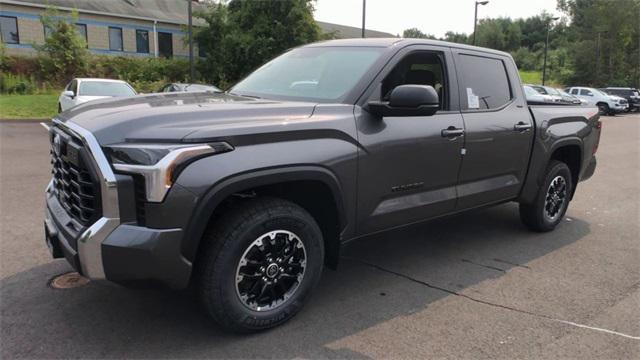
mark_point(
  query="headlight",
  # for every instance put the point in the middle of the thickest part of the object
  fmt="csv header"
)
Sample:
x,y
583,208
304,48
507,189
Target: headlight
x,y
159,164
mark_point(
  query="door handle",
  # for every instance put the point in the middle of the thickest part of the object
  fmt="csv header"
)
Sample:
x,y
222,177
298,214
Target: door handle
x,y
452,132
521,126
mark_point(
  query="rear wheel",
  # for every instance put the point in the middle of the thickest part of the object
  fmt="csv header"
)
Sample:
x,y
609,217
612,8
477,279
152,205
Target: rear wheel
x,y
552,200
261,262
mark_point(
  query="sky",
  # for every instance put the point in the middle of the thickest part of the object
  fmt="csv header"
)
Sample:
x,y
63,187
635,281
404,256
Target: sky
x,y
434,17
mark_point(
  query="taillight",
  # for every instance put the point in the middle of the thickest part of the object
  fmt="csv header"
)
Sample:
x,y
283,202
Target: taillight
x,y
599,127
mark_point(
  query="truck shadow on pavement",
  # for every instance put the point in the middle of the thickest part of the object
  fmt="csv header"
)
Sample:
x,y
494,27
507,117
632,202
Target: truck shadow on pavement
x,y
370,287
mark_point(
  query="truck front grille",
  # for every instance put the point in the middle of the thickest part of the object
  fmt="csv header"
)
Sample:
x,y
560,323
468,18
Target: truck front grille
x,y
75,184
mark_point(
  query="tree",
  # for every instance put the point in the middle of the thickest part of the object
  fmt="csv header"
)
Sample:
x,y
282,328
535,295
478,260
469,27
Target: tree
x,y
605,46
460,38
242,35
415,33
64,53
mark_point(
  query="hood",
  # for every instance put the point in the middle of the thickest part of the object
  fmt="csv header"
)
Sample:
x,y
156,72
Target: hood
x,y
182,116
615,97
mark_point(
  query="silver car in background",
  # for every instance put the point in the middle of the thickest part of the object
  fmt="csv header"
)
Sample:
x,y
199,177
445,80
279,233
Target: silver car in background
x,y
82,90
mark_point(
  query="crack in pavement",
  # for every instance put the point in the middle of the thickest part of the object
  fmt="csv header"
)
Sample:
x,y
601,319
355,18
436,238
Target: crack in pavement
x,y
480,301
484,266
511,263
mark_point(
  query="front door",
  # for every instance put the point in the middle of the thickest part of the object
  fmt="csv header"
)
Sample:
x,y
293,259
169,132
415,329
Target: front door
x,y
498,129
407,170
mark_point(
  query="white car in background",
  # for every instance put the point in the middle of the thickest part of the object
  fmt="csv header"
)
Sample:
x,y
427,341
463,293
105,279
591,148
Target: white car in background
x,y
608,104
534,96
81,90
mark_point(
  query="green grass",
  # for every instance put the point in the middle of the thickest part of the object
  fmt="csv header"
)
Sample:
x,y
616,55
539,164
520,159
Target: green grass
x,y
28,106
531,77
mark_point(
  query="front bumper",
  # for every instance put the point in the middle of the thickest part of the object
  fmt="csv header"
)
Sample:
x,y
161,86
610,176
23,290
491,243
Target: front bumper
x,y
128,254
114,247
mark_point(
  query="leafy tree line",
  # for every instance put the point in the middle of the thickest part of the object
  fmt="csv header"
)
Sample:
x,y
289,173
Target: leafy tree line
x,y
596,43
241,35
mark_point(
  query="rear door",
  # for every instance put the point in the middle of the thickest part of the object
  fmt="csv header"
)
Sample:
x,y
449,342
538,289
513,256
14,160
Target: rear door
x,y
498,129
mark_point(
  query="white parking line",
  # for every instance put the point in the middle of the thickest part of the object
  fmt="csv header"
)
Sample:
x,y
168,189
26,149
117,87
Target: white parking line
x,y
597,329
45,126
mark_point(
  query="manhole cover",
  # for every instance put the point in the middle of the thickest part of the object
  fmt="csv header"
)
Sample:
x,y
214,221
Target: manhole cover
x,y
68,281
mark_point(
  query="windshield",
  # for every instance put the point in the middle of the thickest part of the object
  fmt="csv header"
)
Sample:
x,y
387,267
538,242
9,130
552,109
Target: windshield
x,y
198,87
530,92
552,91
317,73
105,88
601,92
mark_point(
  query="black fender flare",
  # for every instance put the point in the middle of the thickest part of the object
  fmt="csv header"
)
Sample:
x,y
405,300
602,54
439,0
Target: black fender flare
x,y
539,162
229,185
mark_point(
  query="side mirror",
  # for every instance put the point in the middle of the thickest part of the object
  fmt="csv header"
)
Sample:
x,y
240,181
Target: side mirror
x,y
69,93
408,100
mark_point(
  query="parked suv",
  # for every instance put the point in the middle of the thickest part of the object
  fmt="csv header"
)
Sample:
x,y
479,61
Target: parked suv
x,y
630,94
608,104
247,194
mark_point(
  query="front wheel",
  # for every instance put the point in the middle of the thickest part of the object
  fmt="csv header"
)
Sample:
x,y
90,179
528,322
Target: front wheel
x,y
260,263
604,109
552,200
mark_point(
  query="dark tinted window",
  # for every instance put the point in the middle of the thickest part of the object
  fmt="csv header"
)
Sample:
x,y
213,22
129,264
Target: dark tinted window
x,y
621,92
165,44
9,30
82,31
142,41
485,83
115,39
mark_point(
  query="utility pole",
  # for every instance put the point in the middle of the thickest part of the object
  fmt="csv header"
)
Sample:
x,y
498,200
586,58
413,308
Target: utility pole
x,y
191,68
598,52
546,46
364,15
475,19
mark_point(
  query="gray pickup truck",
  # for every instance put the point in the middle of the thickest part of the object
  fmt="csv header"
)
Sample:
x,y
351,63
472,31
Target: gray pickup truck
x,y
248,194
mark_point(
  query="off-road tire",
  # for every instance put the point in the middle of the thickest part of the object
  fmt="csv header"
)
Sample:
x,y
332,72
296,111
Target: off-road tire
x,y
535,215
226,242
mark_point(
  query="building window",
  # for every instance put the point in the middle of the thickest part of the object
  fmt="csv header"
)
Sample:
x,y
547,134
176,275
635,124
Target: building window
x,y
9,30
165,44
142,41
201,51
82,31
47,31
115,39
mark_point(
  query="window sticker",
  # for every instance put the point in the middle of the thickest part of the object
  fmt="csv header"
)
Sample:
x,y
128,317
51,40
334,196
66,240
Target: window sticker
x,y
472,100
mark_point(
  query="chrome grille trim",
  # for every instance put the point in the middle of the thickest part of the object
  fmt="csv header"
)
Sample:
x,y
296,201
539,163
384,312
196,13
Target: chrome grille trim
x,y
90,242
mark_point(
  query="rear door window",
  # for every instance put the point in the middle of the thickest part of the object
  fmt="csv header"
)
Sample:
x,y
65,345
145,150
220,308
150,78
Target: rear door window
x,y
485,83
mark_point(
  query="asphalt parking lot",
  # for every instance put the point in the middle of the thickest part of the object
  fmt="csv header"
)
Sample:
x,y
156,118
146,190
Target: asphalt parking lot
x,y
477,285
